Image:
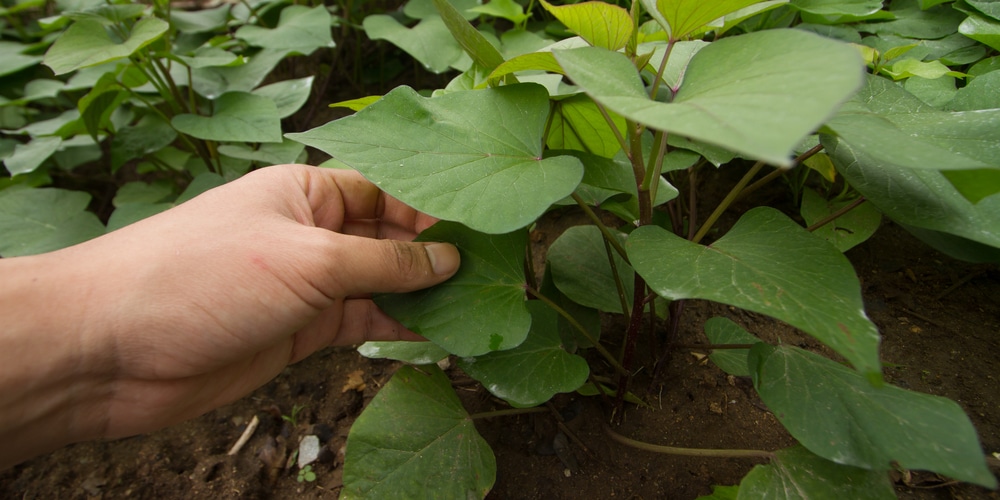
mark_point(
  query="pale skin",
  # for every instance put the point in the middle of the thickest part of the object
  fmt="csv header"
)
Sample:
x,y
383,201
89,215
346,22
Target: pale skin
x,y
191,309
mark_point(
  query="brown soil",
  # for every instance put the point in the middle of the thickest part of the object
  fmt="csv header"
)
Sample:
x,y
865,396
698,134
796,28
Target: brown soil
x,y
940,321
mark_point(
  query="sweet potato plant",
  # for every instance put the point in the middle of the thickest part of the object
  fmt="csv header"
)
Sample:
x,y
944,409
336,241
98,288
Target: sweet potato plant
x,y
607,107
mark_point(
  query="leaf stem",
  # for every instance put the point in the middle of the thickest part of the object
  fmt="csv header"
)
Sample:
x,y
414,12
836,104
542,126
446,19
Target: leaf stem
x,y
608,235
689,452
614,128
834,216
508,412
583,331
618,279
778,172
727,201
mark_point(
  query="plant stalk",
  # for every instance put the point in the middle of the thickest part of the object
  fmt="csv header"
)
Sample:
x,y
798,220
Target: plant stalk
x,y
689,452
834,216
727,201
508,412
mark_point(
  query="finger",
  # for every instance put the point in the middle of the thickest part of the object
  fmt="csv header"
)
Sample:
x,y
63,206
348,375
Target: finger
x,y
363,321
356,265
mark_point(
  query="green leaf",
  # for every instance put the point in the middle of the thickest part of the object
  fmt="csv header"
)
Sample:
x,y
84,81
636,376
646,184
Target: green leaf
x,y
275,153
893,127
812,287
721,330
27,157
919,198
421,9
761,110
238,116
981,29
87,43
148,135
907,68
600,24
472,41
581,271
988,7
979,93
506,9
578,124
936,92
413,434
288,95
721,493
680,57
142,192
680,18
457,156
34,221
846,231
913,22
417,353
481,308
589,319
13,58
201,20
300,29
839,416
838,8
795,473
211,82
208,56
531,373
429,41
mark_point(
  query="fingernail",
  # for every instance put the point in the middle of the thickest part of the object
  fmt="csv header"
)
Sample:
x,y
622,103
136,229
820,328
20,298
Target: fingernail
x,y
444,258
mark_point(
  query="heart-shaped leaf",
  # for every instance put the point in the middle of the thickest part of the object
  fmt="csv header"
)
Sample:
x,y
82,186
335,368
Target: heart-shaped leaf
x,y
429,41
34,221
414,435
288,95
458,156
531,373
481,308
87,43
850,422
299,28
758,95
27,157
795,473
809,285
238,116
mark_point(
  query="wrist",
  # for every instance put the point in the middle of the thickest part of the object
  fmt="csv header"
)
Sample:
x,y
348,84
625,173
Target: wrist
x,y
54,382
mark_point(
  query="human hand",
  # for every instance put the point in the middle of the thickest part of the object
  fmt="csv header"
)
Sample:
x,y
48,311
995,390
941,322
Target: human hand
x,y
199,305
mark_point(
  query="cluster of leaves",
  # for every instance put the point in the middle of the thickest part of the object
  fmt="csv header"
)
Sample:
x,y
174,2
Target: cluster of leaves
x,y
609,108
120,90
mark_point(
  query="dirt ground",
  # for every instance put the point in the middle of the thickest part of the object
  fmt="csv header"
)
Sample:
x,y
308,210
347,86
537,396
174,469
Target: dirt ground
x,y
940,321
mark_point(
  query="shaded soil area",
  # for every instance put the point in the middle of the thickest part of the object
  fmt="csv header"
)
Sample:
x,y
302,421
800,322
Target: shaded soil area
x,y
940,321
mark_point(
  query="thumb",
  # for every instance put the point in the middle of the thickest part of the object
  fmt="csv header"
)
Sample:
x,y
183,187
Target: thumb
x,y
364,265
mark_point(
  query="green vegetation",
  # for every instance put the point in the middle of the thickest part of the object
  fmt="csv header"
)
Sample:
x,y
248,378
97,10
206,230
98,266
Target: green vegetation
x,y
877,110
